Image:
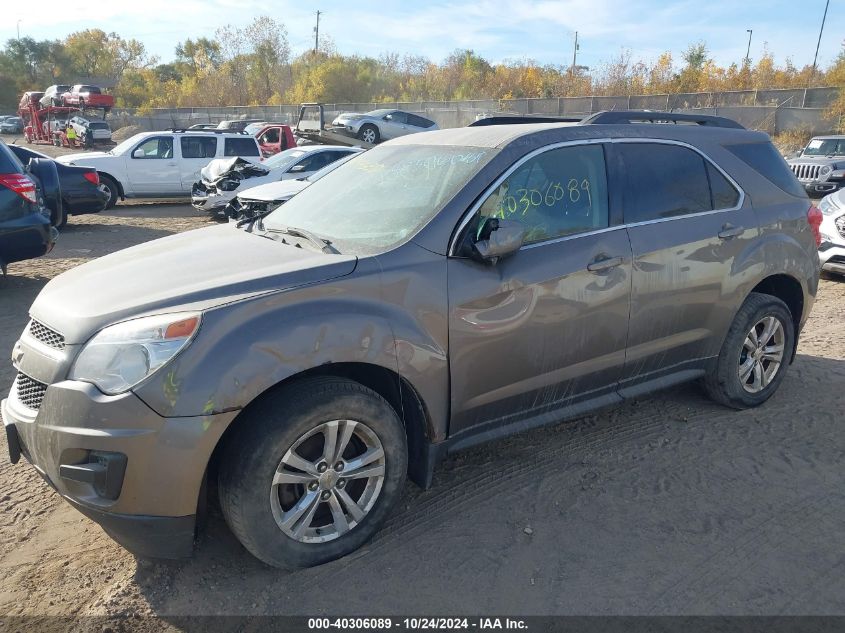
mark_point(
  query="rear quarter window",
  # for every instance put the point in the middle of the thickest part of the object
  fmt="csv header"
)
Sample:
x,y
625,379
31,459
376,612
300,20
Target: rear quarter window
x,y
766,161
241,147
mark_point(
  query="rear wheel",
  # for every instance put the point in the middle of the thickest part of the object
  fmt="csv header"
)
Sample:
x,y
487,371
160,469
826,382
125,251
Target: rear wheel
x,y
111,187
755,354
313,472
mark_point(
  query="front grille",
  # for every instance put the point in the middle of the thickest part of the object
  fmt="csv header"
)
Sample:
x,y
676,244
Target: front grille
x,y
805,171
50,338
840,225
29,391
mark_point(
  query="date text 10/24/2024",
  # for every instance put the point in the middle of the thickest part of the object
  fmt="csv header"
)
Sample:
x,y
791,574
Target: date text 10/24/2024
x,y
414,624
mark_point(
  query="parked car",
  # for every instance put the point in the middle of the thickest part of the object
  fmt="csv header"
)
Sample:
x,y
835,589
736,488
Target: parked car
x,y
257,200
30,98
25,230
99,131
435,292
820,166
81,191
381,125
85,96
160,164
221,178
53,95
11,125
832,248
237,125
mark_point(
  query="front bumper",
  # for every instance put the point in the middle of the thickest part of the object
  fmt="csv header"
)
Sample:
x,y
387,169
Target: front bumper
x,y
832,257
821,188
210,201
151,510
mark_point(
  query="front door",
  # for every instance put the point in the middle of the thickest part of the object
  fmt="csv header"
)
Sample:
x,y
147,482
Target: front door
x,y
546,326
152,167
687,225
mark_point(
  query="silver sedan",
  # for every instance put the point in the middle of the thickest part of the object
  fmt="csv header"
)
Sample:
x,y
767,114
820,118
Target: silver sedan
x,y
382,125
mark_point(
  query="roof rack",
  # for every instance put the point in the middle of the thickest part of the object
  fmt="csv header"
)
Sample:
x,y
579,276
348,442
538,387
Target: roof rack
x,y
213,131
642,116
512,120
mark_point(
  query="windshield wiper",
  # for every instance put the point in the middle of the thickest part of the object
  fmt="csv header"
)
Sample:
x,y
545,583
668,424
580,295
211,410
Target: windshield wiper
x,y
323,244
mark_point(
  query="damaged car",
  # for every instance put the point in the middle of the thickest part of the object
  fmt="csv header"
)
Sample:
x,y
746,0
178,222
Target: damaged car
x,y
221,179
264,198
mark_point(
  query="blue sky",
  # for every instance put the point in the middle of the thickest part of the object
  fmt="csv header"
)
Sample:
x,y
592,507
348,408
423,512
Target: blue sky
x,y
507,29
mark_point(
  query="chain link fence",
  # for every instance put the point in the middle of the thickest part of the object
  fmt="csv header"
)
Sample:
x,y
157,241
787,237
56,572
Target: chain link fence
x,y
773,111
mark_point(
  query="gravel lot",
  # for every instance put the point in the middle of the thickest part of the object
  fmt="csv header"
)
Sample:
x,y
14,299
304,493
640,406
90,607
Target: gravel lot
x,y
667,505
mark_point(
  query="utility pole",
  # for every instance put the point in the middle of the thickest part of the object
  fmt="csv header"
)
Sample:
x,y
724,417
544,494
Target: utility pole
x,y
821,30
317,34
574,55
19,29
748,51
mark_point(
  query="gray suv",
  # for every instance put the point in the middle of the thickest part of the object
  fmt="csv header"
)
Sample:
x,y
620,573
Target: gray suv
x,y
441,290
820,166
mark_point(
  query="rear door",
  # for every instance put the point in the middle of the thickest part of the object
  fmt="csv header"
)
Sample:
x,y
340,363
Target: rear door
x,y
688,224
153,168
547,326
197,151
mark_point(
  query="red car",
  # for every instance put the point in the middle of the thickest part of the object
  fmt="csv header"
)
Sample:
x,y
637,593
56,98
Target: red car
x,y
87,97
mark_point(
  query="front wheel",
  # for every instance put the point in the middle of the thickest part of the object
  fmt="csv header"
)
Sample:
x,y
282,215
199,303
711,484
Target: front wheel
x,y
312,472
755,354
369,133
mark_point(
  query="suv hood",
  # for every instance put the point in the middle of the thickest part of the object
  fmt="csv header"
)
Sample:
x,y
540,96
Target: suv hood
x,y
194,270
280,190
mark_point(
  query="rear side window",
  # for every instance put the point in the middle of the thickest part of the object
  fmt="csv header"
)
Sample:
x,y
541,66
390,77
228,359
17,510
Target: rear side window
x,y
724,194
765,160
198,147
241,147
94,90
663,181
419,121
96,125
9,163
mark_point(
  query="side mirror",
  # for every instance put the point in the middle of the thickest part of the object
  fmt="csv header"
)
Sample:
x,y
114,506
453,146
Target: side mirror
x,y
138,153
296,169
501,238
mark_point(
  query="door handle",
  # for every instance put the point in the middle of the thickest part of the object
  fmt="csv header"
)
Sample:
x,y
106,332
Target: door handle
x,y
171,164
604,264
729,230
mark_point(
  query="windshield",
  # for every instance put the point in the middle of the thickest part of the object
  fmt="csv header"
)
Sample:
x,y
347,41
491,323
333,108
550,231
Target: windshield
x,y
284,159
123,147
252,128
825,147
383,197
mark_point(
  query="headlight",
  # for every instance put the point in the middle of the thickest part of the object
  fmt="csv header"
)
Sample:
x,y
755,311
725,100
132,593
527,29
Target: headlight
x,y
825,170
120,356
827,206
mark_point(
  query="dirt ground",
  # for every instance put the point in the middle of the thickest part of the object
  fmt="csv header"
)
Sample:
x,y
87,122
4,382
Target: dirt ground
x,y
666,505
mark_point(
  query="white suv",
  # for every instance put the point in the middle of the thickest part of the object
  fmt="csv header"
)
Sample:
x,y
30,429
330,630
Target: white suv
x,y
161,164
100,130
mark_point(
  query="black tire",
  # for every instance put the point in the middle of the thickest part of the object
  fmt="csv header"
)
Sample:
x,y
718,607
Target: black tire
x,y
274,424
369,127
723,384
114,192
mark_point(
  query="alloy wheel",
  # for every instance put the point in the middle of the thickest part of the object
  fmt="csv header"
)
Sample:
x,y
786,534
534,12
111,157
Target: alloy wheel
x,y
369,135
762,354
328,481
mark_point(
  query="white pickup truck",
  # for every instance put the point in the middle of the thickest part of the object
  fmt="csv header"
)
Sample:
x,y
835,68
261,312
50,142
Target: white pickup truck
x,y
162,164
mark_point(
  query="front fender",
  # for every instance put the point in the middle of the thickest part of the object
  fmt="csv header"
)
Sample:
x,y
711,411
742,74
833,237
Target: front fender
x,y
244,349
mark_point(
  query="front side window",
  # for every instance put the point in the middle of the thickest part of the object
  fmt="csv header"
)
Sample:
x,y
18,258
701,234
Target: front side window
x,y
155,147
557,193
397,117
198,147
